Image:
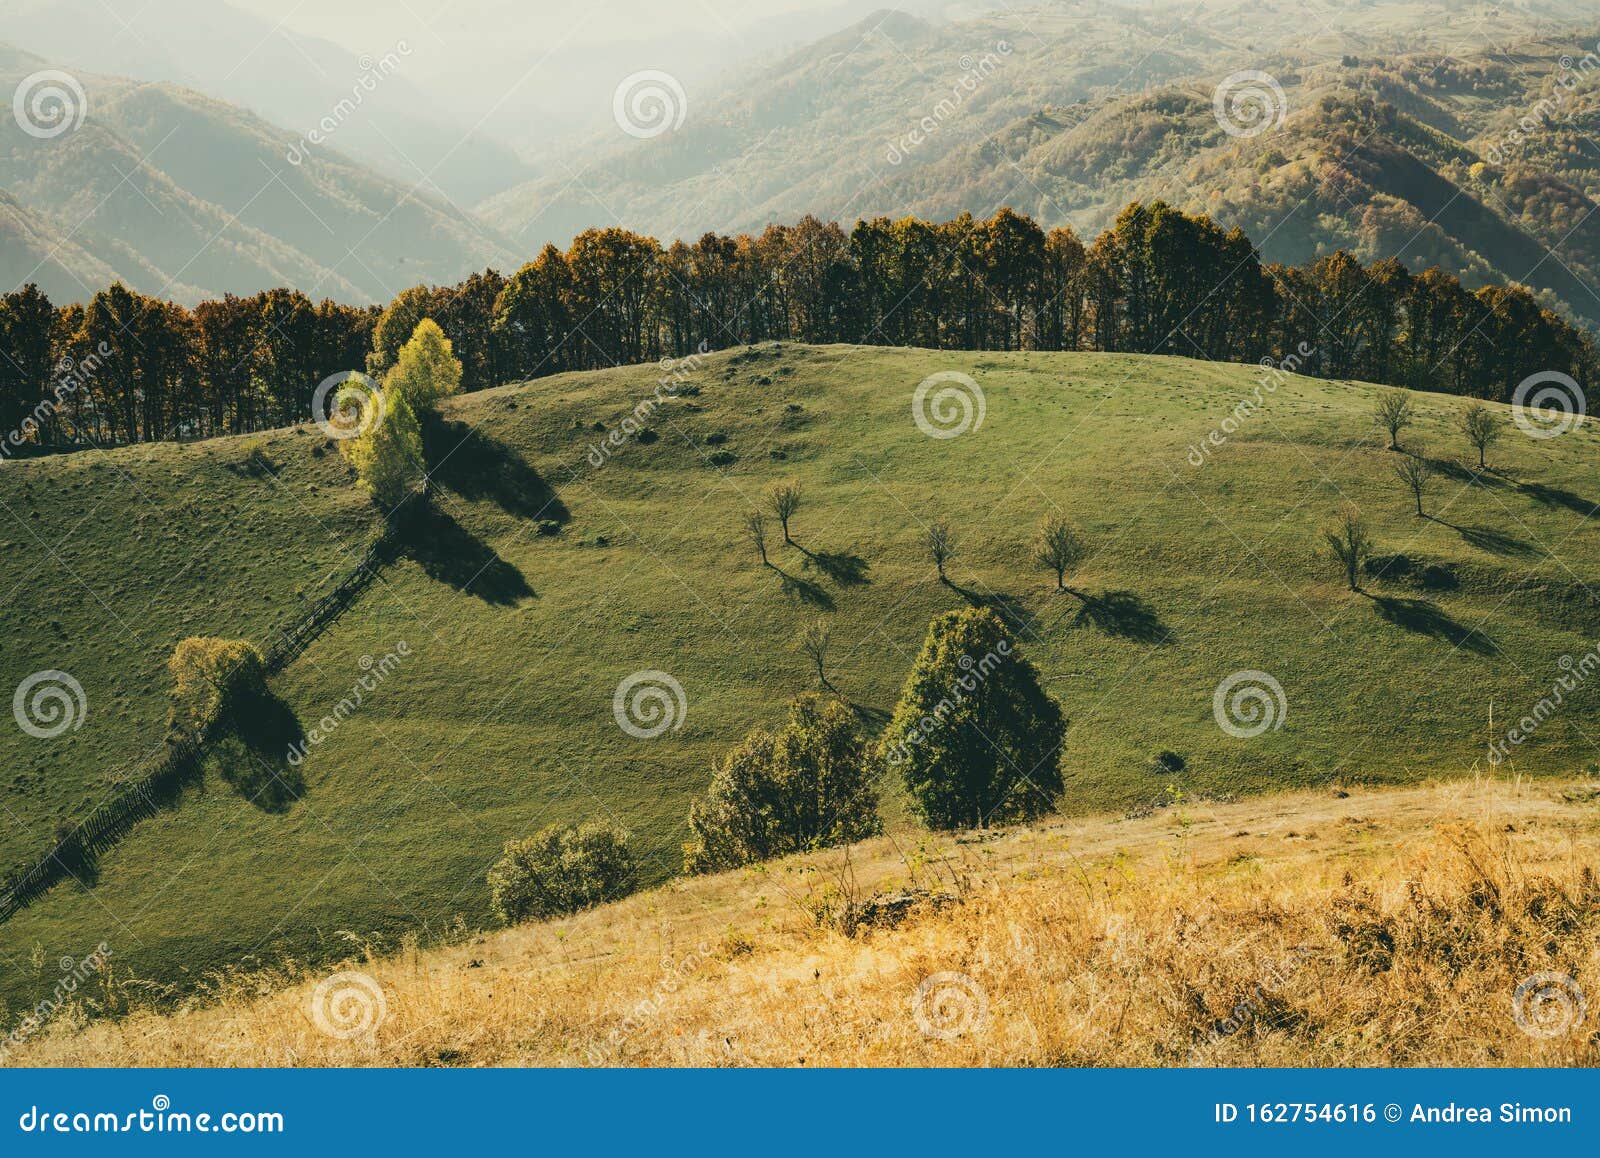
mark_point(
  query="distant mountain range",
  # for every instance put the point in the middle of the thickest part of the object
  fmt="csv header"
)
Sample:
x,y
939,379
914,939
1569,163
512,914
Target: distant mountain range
x,y
288,79
186,197
1385,118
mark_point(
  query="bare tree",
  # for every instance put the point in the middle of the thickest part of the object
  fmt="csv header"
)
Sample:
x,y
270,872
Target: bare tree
x,y
755,526
1394,412
1349,543
815,639
1060,549
941,546
783,500
1413,472
1482,430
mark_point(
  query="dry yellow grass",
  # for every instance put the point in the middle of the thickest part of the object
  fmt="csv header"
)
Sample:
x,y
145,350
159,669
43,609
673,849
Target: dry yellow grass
x,y
1375,928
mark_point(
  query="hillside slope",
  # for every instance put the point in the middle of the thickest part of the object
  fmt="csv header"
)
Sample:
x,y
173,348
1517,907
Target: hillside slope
x,y
187,197
1243,934
500,717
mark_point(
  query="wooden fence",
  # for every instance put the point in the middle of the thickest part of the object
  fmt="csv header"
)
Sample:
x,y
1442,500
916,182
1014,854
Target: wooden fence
x,y
162,780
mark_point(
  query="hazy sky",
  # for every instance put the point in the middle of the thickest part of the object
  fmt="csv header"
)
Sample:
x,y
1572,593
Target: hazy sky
x,y
370,24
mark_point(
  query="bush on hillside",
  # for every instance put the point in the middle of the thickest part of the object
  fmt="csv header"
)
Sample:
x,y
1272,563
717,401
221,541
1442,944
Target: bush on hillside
x,y
805,786
975,736
211,676
562,868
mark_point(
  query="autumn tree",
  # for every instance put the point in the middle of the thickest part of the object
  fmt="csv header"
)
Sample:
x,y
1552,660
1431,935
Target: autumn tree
x,y
1413,474
1394,412
975,736
755,527
1058,547
815,640
941,543
1482,429
1348,543
783,500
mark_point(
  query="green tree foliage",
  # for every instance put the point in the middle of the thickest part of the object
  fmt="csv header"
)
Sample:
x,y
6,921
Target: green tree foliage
x,y
387,456
975,736
805,786
211,676
425,370
562,868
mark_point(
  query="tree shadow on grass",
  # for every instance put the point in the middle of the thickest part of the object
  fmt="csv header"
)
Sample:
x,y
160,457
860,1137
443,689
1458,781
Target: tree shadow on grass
x,y
869,715
253,754
1426,618
1461,472
450,553
469,463
1011,610
1494,541
1556,497
845,568
1124,614
806,591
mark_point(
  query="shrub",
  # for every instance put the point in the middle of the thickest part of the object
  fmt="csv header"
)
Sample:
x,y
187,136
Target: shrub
x,y
976,737
722,458
211,676
561,869
548,527
806,786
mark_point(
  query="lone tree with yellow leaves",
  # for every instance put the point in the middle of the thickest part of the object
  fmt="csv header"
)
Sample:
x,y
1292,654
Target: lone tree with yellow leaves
x,y
387,455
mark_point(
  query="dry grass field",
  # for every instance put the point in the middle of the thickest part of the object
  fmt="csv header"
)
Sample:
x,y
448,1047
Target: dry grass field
x,y
1374,928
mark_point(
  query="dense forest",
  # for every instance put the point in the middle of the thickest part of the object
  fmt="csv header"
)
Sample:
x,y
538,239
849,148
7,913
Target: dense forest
x,y
127,368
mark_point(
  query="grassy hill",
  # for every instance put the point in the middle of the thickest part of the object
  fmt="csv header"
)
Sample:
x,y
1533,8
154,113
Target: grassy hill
x,y
1314,929
500,718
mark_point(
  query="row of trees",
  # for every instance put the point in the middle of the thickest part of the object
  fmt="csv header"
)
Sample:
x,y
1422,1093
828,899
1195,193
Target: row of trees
x,y
1158,281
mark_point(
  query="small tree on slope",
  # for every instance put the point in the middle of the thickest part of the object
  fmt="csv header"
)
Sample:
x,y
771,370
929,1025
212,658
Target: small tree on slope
x,y
975,736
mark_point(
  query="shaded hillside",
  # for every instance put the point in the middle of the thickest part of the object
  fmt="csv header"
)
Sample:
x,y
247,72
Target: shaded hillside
x,y
280,75
552,571
186,197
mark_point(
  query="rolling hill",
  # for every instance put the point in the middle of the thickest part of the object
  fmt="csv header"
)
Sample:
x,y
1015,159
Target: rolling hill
x,y
1390,133
554,571
185,197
